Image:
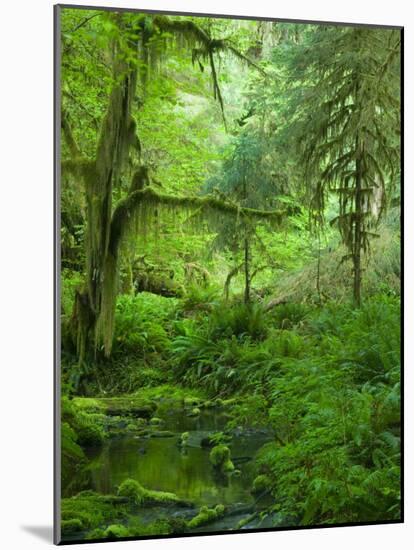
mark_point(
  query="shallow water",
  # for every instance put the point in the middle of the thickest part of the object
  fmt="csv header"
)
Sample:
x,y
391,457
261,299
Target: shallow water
x,y
160,464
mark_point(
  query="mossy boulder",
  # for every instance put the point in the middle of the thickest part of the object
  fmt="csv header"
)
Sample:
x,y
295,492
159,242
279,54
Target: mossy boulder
x,y
155,421
220,459
191,402
87,426
90,435
261,483
88,404
206,515
128,406
194,412
133,490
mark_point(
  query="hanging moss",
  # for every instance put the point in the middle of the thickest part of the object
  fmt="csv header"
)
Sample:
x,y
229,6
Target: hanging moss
x,y
140,212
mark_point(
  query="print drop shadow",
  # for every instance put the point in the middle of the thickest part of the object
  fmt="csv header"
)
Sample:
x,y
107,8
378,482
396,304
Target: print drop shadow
x,y
43,532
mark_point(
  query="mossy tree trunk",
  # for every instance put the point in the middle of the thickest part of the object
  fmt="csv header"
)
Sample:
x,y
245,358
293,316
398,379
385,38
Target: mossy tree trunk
x,y
93,311
94,308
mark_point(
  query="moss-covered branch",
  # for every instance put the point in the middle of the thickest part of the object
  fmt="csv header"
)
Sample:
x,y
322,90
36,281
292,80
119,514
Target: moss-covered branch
x,y
185,27
126,208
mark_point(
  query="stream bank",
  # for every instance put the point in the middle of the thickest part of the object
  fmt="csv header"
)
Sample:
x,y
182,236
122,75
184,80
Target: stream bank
x,y
165,446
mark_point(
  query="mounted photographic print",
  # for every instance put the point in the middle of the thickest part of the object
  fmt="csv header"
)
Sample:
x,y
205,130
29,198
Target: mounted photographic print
x,y
228,262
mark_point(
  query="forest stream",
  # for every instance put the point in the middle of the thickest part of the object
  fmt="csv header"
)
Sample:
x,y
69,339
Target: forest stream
x,y
157,461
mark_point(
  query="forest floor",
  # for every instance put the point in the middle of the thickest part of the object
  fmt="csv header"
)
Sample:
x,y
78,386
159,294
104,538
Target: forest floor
x,y
215,416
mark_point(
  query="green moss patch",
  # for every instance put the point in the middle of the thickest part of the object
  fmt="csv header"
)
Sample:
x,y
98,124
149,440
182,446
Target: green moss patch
x,y
134,491
89,510
128,405
206,515
220,459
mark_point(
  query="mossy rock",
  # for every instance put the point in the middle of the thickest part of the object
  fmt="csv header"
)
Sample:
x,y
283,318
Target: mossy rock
x,y
133,490
219,455
128,406
191,402
220,459
206,515
261,483
90,435
155,421
88,404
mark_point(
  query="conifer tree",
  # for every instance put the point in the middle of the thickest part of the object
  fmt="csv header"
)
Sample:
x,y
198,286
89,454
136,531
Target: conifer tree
x,y
348,113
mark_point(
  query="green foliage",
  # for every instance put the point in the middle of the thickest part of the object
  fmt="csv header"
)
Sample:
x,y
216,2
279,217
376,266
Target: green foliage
x,y
261,484
216,347
312,134
138,331
287,316
240,321
336,417
70,526
199,298
88,510
70,281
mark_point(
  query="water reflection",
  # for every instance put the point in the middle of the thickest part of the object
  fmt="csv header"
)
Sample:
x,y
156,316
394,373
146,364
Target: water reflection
x,y
160,464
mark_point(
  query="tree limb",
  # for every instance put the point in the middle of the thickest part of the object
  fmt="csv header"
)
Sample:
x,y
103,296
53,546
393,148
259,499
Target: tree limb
x,y
127,207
